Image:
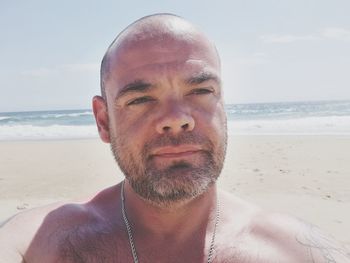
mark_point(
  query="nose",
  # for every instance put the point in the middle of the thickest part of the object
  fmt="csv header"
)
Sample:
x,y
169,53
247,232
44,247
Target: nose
x,y
174,120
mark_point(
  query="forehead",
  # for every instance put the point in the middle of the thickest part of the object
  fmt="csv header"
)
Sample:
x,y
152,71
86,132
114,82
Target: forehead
x,y
161,56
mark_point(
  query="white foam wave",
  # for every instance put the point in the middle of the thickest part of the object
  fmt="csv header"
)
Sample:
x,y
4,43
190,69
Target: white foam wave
x,y
4,118
75,114
30,132
60,115
312,125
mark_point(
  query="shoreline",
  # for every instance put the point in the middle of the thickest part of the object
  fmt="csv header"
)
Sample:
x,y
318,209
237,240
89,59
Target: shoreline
x,y
303,175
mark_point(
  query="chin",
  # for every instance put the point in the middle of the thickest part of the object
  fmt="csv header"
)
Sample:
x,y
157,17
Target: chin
x,y
173,186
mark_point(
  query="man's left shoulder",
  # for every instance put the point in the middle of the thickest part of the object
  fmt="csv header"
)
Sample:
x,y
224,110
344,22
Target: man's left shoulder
x,y
265,236
295,237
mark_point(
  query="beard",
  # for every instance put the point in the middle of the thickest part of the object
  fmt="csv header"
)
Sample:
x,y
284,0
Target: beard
x,y
177,181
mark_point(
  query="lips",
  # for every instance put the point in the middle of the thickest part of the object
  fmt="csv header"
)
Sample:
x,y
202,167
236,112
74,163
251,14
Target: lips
x,y
176,151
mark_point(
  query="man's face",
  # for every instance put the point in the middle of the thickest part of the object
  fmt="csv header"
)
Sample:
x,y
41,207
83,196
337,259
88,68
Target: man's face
x,y
167,124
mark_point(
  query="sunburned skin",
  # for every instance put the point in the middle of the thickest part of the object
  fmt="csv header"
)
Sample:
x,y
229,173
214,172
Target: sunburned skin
x,y
162,112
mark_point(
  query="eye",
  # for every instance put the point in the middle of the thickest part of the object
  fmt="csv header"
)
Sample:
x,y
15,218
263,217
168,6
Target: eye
x,y
139,100
201,91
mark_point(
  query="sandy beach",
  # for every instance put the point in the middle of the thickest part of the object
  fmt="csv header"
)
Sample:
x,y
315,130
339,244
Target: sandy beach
x,y
306,176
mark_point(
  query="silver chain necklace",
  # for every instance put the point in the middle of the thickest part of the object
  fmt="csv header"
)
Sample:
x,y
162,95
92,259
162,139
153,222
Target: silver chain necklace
x,y
131,239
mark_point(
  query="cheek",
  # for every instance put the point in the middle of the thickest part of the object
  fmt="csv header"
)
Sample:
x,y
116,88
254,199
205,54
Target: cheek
x,y
212,119
132,129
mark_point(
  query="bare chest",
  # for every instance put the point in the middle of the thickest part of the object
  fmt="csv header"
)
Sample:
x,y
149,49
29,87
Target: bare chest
x,y
112,245
110,250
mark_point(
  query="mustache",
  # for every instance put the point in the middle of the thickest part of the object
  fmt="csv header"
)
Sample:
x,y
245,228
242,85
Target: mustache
x,y
183,138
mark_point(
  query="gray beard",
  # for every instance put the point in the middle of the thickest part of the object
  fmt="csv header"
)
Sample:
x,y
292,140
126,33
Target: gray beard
x,y
178,182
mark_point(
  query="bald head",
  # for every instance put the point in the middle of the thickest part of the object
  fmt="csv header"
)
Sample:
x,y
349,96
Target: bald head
x,y
163,30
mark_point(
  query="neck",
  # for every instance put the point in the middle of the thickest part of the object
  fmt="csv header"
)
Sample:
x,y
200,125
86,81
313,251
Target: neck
x,y
178,221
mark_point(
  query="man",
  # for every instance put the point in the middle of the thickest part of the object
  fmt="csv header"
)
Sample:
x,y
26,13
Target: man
x,y
163,114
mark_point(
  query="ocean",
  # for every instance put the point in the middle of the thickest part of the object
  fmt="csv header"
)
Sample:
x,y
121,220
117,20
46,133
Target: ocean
x,y
287,118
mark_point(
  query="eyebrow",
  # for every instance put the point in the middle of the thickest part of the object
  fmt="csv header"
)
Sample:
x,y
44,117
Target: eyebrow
x,y
135,86
202,77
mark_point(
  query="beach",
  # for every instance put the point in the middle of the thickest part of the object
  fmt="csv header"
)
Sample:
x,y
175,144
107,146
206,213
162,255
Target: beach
x,y
303,175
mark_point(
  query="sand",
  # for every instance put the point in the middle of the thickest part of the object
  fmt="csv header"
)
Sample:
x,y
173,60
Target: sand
x,y
305,176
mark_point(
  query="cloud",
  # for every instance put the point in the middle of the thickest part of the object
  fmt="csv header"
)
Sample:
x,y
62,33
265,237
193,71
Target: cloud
x,y
81,67
286,38
39,72
337,33
62,69
252,60
330,33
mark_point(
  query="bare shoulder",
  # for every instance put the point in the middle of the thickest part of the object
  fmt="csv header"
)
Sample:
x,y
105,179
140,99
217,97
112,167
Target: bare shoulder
x,y
264,236
17,232
299,240
37,235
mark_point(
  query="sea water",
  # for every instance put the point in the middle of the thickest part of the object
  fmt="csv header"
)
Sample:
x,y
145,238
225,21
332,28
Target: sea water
x,y
302,118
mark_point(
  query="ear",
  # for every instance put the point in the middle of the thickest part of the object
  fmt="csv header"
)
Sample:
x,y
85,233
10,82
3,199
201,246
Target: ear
x,y
99,107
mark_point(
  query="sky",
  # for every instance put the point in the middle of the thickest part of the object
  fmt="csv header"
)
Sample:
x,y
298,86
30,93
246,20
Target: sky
x,y
271,50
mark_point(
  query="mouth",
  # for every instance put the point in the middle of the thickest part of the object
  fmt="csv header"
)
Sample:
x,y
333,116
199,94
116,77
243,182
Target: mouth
x,y
181,151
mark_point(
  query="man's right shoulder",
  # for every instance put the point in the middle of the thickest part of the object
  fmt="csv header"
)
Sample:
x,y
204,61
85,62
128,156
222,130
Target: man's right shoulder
x,y
35,232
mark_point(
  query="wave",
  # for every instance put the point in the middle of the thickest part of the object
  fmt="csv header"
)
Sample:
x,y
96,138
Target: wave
x,y
31,132
63,115
69,118
334,125
287,110
5,118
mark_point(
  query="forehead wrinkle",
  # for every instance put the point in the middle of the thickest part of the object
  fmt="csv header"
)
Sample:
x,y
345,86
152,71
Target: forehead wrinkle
x,y
202,69
159,67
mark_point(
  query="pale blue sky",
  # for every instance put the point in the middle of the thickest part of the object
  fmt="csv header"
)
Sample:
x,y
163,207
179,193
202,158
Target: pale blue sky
x,y
272,50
